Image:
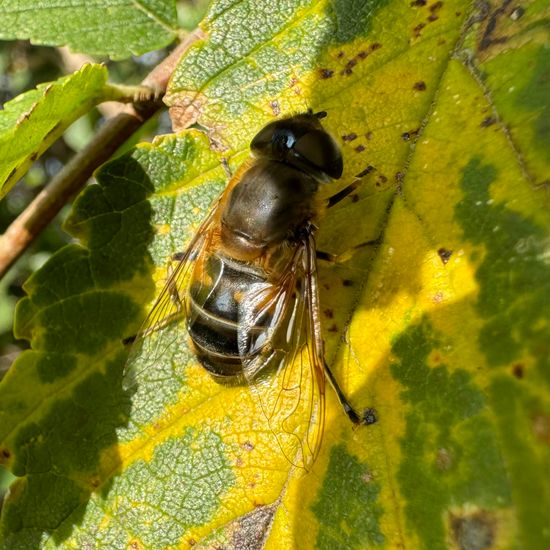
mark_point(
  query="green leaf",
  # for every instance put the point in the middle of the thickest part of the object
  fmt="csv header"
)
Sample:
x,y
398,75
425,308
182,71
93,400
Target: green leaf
x,y
443,326
31,122
115,28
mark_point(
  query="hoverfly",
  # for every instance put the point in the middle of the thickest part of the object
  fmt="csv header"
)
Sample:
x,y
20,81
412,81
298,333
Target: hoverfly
x,y
247,283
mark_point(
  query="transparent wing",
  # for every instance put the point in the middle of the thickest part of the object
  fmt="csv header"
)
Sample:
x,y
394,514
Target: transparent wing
x,y
161,327
281,350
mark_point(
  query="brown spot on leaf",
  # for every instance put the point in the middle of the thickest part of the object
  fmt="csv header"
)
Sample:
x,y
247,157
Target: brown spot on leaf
x,y
369,417
329,314
419,86
418,3
382,178
275,107
339,55
418,29
186,111
349,137
399,177
6,454
333,328
488,121
354,197
349,66
493,32
248,446
518,370
436,6
444,254
326,73
433,17
360,148
347,282
473,531
406,136
368,135
363,54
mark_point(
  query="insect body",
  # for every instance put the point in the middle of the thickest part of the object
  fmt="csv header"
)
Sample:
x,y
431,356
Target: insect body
x,y
248,286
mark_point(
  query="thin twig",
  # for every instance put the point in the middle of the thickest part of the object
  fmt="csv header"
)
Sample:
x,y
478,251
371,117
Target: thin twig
x,y
66,183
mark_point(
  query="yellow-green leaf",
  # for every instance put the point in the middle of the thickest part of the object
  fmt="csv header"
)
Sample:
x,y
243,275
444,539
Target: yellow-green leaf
x,y
31,122
442,326
114,28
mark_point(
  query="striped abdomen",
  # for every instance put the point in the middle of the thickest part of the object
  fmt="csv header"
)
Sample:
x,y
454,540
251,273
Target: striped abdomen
x,y
213,312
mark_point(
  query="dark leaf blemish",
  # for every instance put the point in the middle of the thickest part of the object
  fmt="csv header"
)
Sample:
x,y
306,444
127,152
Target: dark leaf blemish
x,y
418,29
444,254
489,121
518,370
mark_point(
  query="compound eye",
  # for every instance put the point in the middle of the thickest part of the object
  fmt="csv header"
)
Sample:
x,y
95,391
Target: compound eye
x,y
283,141
301,142
272,141
320,151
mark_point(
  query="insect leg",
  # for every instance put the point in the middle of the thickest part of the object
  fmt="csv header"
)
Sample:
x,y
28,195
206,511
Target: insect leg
x,y
367,417
336,198
344,256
